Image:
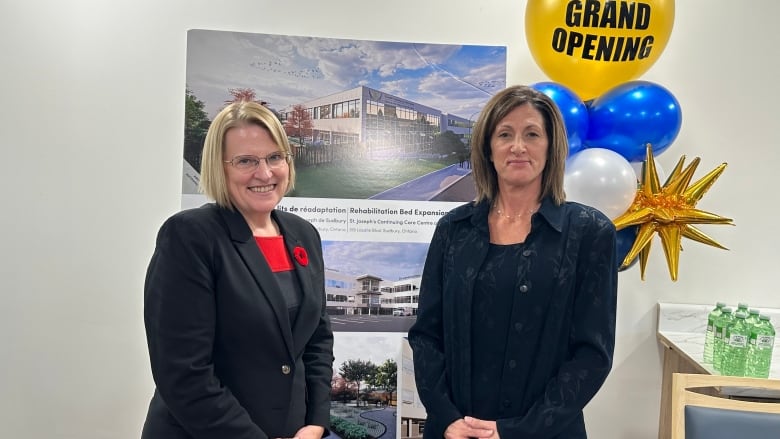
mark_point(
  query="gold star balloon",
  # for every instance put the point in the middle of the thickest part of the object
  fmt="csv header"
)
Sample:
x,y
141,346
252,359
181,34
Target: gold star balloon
x,y
670,210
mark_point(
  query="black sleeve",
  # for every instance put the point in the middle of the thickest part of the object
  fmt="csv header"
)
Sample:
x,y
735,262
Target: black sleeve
x,y
180,319
426,341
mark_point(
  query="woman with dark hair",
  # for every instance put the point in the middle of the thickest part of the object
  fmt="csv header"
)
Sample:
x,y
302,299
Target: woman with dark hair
x,y
516,321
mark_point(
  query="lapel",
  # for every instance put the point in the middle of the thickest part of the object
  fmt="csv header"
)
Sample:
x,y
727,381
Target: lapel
x,y
472,242
308,312
246,246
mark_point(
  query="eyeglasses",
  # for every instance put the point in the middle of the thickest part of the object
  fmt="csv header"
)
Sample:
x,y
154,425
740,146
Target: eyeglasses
x,y
248,163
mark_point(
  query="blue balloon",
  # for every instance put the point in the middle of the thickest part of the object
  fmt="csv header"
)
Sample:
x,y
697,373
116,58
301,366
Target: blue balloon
x,y
624,242
629,116
573,110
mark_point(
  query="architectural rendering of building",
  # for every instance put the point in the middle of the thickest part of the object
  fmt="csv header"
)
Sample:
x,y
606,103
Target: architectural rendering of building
x,y
378,123
369,294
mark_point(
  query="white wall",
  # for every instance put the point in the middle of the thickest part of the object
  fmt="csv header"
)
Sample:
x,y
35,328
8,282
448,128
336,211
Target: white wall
x,y
91,113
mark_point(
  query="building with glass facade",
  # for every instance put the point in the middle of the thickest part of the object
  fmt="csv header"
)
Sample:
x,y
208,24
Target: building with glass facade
x,y
369,294
377,123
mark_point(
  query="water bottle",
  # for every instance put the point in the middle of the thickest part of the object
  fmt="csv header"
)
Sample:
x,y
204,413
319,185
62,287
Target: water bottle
x,y
709,337
743,307
735,348
762,341
752,318
721,323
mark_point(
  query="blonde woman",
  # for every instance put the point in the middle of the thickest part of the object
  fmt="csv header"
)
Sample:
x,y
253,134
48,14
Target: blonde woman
x,y
234,302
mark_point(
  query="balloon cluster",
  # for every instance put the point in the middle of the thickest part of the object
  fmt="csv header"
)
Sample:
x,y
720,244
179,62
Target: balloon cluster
x,y
608,137
594,51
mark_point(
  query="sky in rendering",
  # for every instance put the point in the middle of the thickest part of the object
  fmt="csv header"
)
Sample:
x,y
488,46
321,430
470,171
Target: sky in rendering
x,y
286,70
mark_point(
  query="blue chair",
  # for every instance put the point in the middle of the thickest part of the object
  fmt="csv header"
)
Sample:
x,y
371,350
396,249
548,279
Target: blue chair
x,y
744,408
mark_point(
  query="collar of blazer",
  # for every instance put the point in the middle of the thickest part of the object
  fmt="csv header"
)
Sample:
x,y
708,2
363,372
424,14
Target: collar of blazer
x,y
477,213
242,238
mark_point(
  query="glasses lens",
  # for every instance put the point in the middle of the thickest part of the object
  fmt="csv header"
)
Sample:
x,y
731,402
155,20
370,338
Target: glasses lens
x,y
245,162
274,159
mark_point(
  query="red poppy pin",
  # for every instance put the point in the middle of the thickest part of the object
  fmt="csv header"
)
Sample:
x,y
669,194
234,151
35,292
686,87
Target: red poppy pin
x,y
301,256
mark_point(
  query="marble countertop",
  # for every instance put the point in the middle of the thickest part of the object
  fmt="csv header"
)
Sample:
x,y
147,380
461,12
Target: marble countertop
x,y
682,327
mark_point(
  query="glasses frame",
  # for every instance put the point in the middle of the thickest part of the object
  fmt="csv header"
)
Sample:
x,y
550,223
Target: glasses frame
x,y
286,155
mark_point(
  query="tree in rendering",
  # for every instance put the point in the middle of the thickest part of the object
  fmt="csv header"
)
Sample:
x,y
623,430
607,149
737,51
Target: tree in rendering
x,y
196,124
386,378
357,371
341,389
448,143
244,94
298,123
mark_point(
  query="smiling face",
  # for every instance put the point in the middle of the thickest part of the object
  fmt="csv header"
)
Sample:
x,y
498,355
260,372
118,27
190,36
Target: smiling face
x,y
254,193
518,148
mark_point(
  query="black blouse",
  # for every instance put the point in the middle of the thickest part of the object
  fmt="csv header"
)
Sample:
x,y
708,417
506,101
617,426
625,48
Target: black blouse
x,y
491,308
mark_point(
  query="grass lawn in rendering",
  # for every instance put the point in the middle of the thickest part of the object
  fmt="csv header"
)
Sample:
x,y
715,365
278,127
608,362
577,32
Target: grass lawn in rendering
x,y
361,179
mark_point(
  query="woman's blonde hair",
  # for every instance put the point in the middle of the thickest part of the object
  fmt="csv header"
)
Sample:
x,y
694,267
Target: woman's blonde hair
x,y
212,169
499,106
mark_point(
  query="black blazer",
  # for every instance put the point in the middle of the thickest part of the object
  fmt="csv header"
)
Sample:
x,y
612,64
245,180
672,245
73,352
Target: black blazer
x,y
225,358
559,343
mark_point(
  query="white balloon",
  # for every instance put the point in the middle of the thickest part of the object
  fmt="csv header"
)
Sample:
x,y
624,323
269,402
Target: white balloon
x,y
600,178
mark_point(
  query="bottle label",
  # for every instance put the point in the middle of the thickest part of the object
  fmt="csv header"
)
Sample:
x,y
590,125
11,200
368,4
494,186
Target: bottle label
x,y
765,341
738,341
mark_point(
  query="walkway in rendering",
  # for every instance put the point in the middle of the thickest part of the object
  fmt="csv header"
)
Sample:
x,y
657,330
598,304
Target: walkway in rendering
x,y
379,422
434,186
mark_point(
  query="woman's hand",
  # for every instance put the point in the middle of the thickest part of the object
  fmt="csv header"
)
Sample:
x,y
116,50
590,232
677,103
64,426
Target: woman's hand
x,y
471,428
310,432
482,425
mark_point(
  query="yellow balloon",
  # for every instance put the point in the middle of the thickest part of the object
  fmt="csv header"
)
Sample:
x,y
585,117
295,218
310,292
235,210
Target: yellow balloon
x,y
591,46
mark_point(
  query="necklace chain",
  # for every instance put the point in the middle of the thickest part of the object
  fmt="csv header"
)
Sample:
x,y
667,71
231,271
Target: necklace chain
x,y
513,217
